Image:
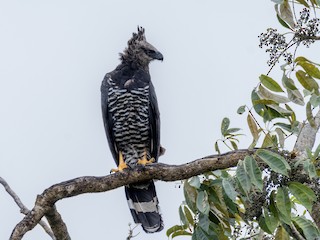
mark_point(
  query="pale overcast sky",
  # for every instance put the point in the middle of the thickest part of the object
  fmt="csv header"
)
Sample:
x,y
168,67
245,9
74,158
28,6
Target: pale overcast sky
x,y
53,56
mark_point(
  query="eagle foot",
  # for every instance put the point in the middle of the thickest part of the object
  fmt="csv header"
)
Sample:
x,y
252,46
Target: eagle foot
x,y
144,161
122,165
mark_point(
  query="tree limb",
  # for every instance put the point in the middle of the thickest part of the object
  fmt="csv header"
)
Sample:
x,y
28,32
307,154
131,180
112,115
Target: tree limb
x,y
306,139
45,202
307,136
23,208
57,225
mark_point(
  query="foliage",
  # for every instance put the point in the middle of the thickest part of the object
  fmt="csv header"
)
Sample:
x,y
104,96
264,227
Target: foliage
x,y
260,197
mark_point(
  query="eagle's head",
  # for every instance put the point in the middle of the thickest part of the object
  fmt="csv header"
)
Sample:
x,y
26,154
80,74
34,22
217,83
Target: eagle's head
x,y
139,52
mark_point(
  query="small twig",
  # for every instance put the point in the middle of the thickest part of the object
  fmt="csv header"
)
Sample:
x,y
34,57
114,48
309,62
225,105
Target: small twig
x,y
130,236
275,62
23,208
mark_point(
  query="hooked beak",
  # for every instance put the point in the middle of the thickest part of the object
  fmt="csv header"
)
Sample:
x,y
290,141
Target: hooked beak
x,y
158,56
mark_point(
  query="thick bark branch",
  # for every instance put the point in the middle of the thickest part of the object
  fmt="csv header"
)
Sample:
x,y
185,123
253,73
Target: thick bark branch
x,y
307,136
57,225
306,139
315,213
45,202
23,208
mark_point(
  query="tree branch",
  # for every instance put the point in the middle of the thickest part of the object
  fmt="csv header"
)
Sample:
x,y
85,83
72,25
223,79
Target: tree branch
x,y
307,136
57,225
23,208
45,202
306,139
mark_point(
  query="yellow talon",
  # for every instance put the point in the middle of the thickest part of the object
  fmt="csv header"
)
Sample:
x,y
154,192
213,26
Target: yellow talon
x,y
122,165
144,160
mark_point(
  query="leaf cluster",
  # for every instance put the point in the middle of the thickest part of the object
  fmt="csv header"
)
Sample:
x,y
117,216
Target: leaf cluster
x,y
218,204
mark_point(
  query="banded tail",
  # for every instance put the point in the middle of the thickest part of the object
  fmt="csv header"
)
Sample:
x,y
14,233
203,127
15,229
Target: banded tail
x,y
143,203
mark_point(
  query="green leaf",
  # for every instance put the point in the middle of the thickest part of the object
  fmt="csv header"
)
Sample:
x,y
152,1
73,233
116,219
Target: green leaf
x,y
310,116
307,81
272,204
231,205
253,127
182,217
200,234
265,94
281,234
280,110
288,83
309,167
190,194
315,100
259,108
275,161
234,145
254,172
309,153
204,222
264,101
283,204
295,96
243,177
270,220
283,23
188,215
225,125
241,109
263,225
195,182
306,93
303,194
269,83
310,231
310,68
202,202
229,189
303,2
267,141
271,114
216,147
181,233
232,130
174,229
286,14
281,137
293,115
317,151
284,126
300,58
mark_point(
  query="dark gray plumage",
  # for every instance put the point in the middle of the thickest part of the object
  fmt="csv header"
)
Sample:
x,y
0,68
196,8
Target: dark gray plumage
x,y
132,123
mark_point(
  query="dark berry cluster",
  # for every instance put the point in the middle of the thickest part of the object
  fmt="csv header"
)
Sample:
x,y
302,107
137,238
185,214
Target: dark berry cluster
x,y
276,45
306,28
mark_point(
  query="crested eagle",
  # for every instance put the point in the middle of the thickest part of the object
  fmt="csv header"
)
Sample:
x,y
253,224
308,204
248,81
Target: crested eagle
x,y
132,124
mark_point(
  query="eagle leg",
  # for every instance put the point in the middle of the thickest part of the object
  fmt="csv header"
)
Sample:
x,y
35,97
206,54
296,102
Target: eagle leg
x,y
144,161
122,165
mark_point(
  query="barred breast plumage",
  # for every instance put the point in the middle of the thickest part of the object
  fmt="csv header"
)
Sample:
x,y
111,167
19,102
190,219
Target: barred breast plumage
x,y
130,114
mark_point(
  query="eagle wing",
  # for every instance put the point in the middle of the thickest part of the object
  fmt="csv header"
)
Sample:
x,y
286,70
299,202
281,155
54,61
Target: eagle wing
x,y
107,118
154,121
